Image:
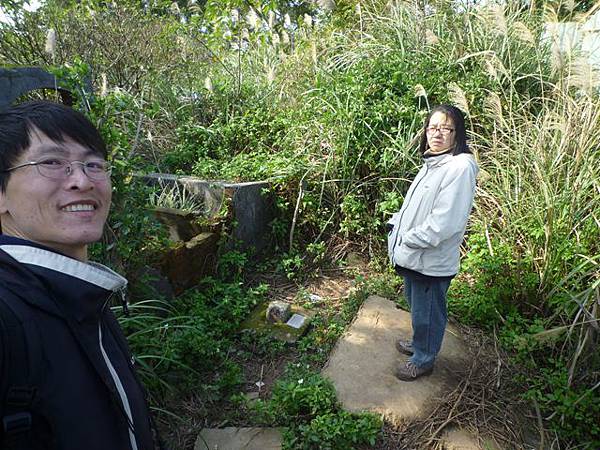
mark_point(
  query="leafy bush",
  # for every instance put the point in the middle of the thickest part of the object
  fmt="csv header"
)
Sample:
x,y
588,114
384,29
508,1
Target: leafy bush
x,y
300,396
493,283
573,410
335,431
306,403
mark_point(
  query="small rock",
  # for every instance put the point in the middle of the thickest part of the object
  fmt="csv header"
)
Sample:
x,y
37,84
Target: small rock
x,y
252,395
296,321
278,312
314,298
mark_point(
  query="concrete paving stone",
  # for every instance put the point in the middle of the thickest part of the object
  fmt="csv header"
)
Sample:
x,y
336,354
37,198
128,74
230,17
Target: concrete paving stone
x,y
232,438
363,362
457,439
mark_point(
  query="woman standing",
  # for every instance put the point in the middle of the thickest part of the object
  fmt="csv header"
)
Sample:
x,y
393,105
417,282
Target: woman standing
x,y
424,242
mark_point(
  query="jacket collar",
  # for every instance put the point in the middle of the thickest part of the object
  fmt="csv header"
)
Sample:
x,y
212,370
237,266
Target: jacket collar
x,y
436,161
57,283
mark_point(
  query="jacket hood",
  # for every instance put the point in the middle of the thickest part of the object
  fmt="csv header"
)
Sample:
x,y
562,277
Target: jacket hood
x,y
81,288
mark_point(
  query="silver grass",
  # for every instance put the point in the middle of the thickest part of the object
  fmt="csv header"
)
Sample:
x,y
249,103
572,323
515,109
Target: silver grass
x,y
208,84
569,5
490,69
523,33
275,39
495,18
430,37
492,106
557,60
104,85
271,19
458,98
419,91
582,75
50,47
285,37
549,15
175,8
270,75
252,19
308,20
495,67
326,5
235,15
287,21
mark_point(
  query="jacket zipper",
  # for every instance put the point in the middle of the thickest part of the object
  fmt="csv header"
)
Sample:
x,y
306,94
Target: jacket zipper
x,y
117,380
407,205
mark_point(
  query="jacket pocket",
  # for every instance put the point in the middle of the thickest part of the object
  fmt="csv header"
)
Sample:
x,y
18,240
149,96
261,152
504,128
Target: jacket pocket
x,y
409,258
392,227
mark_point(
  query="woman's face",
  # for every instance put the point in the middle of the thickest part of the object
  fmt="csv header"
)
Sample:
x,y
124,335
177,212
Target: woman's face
x,y
441,134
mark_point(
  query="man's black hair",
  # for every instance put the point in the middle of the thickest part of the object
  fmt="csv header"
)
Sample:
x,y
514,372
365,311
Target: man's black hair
x,y
55,120
460,134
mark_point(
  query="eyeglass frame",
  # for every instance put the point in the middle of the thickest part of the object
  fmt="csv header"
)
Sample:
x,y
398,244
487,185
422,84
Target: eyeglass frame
x,y
444,131
68,168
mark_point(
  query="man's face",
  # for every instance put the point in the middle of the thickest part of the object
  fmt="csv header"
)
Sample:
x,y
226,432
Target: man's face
x,y
63,214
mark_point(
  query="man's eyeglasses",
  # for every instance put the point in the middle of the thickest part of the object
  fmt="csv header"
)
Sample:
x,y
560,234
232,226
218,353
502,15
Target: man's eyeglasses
x,y
445,131
61,169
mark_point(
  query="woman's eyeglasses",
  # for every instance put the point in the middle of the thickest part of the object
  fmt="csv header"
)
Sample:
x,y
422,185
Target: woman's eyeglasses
x,y
443,130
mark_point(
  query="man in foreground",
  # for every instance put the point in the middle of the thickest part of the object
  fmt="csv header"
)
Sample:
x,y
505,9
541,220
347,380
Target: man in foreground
x,y
67,380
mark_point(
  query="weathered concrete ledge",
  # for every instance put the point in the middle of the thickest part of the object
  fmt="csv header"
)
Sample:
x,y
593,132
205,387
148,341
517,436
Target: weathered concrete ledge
x,y
251,208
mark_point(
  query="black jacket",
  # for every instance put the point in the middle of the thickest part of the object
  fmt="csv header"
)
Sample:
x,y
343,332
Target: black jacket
x,y
89,395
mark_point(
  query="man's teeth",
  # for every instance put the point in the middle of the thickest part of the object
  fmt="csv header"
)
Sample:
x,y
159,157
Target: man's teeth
x,y
74,208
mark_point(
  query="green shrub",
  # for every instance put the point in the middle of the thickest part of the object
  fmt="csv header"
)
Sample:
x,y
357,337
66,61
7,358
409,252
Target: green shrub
x,y
572,411
301,395
493,284
335,431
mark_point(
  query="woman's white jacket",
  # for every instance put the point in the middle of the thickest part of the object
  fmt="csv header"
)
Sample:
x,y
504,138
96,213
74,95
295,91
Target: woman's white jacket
x,y
430,226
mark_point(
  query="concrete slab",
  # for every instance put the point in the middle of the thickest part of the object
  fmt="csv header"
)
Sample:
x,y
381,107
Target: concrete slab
x,y
363,362
456,439
232,438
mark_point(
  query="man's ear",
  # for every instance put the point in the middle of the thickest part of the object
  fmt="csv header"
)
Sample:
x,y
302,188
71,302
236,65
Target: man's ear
x,y
3,202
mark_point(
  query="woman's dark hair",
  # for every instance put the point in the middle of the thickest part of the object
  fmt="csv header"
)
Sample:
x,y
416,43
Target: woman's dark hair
x,y
56,121
460,134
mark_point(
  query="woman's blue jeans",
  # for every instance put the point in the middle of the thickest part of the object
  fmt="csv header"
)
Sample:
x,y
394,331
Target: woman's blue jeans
x,y
426,298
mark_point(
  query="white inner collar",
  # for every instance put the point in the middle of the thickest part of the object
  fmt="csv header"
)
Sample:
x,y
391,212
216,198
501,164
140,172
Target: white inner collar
x,y
93,273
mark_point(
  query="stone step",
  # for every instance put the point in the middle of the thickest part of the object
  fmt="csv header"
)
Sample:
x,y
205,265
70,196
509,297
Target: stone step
x,y
232,438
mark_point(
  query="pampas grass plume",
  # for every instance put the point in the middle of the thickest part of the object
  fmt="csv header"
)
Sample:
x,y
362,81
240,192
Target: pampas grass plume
x,y
51,42
208,84
458,98
326,5
431,38
252,19
419,91
308,20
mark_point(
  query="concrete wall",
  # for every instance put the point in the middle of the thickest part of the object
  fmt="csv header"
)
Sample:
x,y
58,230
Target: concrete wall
x,y
15,82
252,209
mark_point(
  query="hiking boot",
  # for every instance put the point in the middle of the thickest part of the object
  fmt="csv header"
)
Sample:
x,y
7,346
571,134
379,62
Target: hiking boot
x,y
409,372
404,346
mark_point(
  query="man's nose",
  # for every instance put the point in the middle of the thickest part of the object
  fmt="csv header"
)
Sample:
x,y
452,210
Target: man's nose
x,y
78,174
